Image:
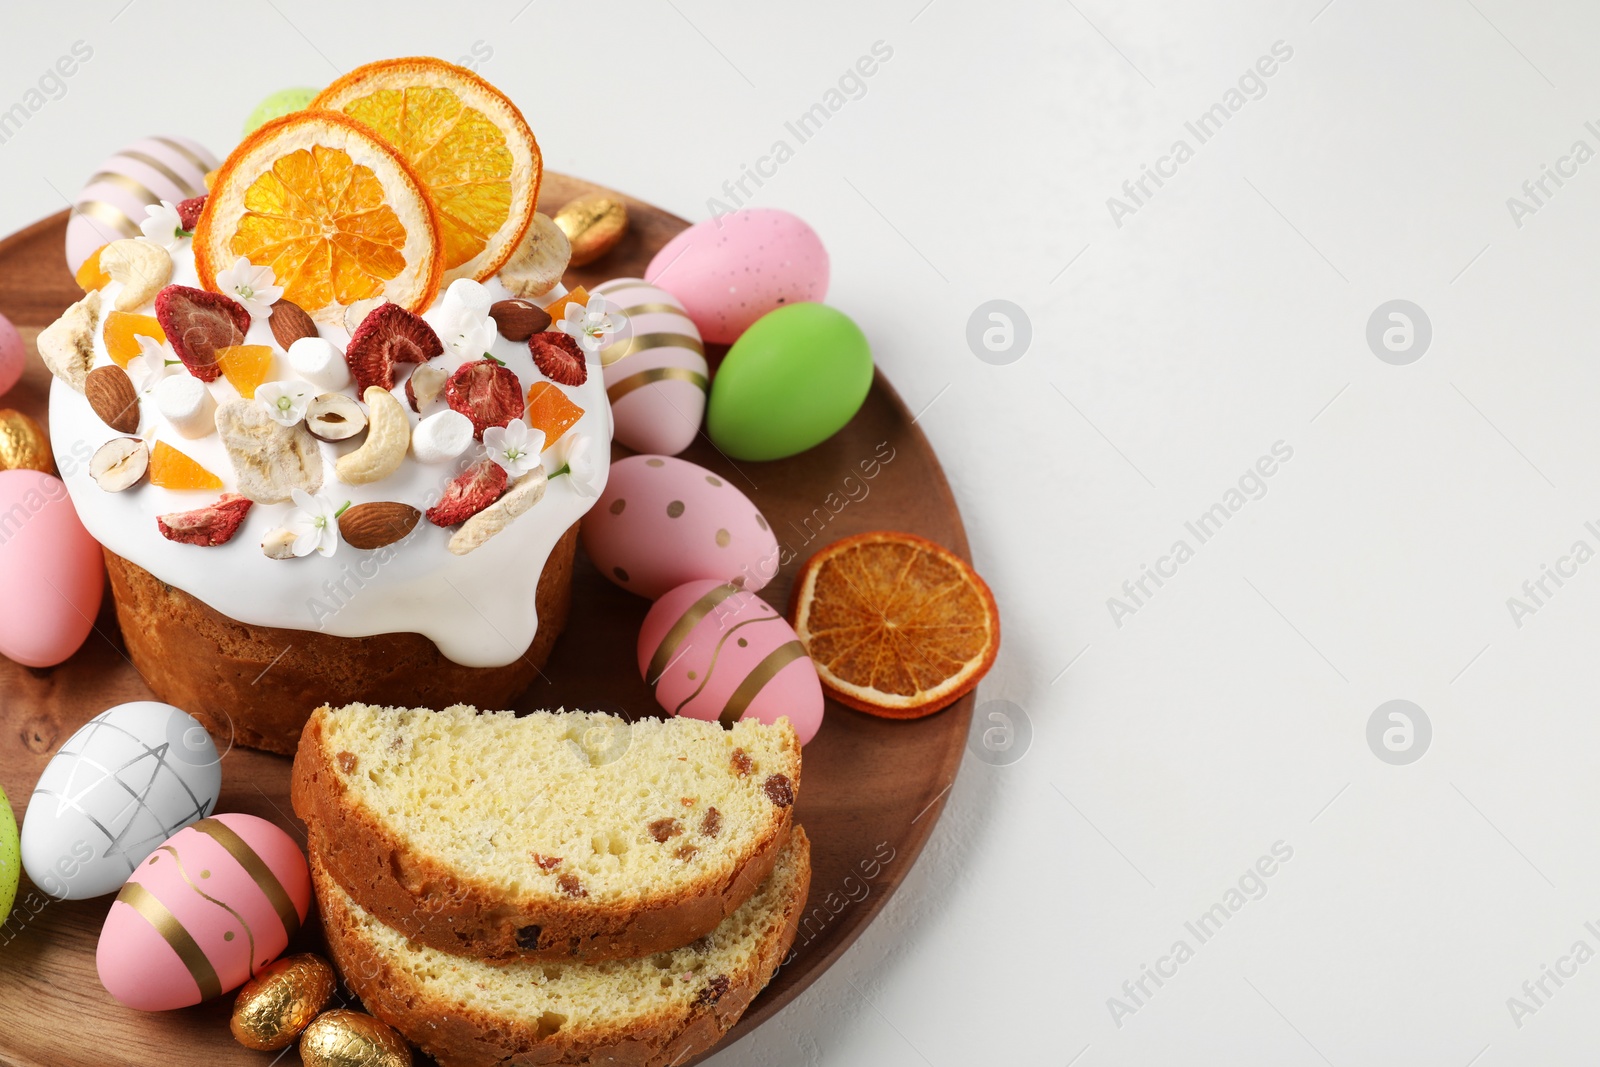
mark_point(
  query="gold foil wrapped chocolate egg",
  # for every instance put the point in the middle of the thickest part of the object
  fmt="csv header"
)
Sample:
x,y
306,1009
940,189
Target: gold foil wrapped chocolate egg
x,y
23,444
593,225
274,1006
344,1038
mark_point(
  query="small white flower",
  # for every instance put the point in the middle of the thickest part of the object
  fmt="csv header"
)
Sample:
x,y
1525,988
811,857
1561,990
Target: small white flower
x,y
286,401
590,326
515,446
462,320
315,523
573,459
152,364
162,225
251,286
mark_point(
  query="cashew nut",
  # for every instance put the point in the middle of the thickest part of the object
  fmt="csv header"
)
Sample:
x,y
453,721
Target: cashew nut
x,y
388,439
143,268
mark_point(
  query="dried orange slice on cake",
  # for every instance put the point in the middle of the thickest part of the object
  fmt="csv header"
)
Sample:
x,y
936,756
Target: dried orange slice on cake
x,y
331,208
898,626
466,142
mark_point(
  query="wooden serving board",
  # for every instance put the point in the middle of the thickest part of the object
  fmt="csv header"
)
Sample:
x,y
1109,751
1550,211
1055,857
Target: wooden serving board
x,y
872,792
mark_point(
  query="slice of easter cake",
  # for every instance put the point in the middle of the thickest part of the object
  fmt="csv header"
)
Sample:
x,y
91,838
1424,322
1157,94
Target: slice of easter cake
x,y
555,835
652,1012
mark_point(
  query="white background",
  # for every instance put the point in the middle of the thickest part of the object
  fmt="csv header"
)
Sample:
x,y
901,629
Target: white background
x,y
1228,313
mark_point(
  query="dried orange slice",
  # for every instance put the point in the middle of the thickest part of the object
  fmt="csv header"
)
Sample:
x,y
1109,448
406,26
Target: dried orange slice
x,y
897,625
332,209
466,142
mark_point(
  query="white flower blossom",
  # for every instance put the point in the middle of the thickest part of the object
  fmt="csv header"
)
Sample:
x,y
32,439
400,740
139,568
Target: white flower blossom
x,y
286,401
515,446
574,458
162,225
152,364
251,286
591,325
315,523
462,320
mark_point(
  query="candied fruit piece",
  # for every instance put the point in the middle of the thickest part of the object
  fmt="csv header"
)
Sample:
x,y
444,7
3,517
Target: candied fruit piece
x,y
550,410
245,366
90,277
171,469
122,332
579,296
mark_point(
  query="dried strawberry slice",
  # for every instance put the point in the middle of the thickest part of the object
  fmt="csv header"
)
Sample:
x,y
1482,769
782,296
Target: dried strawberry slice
x,y
208,526
189,211
558,358
388,335
469,493
486,393
198,323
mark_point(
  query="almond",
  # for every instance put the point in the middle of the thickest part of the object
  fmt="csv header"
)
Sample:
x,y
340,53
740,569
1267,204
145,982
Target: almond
x,y
290,323
111,394
518,320
377,524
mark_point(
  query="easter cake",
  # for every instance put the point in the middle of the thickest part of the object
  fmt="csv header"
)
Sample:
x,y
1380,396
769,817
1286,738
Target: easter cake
x,y
609,840
651,1012
334,423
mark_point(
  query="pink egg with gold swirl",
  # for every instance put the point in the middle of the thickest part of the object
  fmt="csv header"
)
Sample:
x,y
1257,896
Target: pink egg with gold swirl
x,y
206,911
112,202
714,651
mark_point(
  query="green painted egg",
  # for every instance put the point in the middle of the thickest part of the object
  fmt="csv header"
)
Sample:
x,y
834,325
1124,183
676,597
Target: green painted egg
x,y
10,858
278,105
790,382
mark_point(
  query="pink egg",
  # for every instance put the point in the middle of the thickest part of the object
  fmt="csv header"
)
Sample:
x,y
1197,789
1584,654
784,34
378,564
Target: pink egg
x,y
112,202
13,355
655,369
664,521
51,571
716,652
731,270
210,908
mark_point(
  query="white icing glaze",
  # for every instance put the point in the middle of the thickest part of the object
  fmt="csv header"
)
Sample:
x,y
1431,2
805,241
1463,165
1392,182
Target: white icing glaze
x,y
478,608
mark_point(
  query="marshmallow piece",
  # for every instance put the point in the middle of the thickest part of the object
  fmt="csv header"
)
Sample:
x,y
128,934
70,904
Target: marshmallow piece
x,y
319,362
441,436
187,404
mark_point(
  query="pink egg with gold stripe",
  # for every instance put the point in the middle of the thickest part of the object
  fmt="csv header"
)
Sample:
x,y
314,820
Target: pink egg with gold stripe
x,y
206,911
111,204
655,368
713,651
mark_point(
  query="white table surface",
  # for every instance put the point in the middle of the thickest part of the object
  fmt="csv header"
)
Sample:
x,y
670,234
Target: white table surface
x,y
1225,314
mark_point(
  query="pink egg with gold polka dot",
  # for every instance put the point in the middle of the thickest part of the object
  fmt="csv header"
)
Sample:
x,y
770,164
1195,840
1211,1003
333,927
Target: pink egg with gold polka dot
x,y
730,270
713,651
665,521
206,911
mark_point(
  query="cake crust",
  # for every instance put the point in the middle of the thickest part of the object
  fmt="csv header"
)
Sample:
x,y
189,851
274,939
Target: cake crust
x,y
259,684
463,1035
444,908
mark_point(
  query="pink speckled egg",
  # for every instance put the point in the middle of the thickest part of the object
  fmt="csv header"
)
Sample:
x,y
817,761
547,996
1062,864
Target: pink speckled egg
x,y
112,202
51,571
655,369
731,270
714,651
209,909
14,356
664,521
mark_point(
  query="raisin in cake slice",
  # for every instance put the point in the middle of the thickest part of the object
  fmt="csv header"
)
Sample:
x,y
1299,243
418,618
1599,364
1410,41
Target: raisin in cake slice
x,y
555,835
652,1012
